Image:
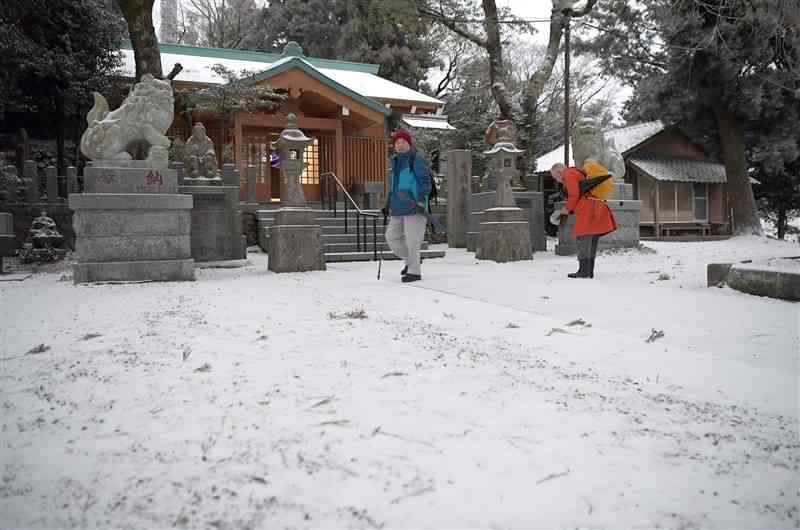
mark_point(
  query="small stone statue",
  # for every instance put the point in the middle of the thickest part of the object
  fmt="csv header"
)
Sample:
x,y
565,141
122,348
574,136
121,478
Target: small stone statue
x,y
199,156
44,231
501,135
43,241
589,144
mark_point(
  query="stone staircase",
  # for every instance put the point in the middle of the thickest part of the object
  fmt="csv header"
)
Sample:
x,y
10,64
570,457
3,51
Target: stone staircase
x,y
340,245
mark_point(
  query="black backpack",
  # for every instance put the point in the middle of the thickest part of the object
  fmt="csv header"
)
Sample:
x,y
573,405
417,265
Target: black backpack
x,y
434,194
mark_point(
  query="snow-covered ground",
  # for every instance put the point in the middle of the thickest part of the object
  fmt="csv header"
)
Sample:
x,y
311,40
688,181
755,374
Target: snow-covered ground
x,y
486,396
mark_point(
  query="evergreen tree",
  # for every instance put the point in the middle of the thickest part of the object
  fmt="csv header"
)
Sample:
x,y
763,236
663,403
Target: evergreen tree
x,y
725,69
372,31
49,61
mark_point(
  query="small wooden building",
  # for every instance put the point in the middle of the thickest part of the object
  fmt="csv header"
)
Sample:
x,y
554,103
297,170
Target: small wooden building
x,y
682,189
346,107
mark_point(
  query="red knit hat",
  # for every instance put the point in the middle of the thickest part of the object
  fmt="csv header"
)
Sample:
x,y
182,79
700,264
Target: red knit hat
x,y
401,133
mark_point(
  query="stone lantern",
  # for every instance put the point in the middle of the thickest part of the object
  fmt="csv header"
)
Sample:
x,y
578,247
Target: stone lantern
x,y
295,238
503,231
291,147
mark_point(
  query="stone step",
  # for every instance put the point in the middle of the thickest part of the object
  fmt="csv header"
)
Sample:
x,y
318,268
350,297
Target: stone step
x,y
333,257
353,247
347,238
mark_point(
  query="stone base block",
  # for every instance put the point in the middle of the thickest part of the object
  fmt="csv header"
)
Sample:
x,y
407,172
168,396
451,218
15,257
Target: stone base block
x,y
717,273
118,236
296,248
153,270
532,203
627,215
763,279
504,235
120,179
295,241
216,223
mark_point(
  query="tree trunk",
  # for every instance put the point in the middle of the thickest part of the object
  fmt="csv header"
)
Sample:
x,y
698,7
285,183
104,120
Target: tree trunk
x,y
139,16
61,165
740,191
494,48
782,224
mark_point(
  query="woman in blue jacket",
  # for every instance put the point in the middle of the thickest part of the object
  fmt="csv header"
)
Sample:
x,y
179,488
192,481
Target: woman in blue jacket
x,y
408,193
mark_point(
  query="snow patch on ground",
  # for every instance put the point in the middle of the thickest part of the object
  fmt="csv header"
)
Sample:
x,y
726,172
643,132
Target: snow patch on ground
x,y
487,395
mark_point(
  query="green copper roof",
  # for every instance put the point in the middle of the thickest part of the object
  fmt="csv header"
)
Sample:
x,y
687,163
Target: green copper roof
x,y
287,62
248,55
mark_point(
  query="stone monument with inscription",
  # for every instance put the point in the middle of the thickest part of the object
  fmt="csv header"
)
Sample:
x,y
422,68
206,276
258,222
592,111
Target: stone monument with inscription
x,y
503,231
589,145
131,224
216,218
295,238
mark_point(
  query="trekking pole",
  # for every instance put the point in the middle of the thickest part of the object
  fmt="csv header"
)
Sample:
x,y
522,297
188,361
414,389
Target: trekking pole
x,y
380,252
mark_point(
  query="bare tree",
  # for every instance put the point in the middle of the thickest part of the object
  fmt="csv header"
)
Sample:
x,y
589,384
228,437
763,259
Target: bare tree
x,y
223,23
485,33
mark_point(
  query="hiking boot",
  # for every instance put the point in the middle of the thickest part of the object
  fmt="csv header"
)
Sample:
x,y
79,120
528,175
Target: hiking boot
x,y
591,267
404,271
411,278
583,269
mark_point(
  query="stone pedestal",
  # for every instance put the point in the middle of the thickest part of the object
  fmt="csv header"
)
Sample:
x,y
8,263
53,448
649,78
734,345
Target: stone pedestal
x,y
216,233
530,202
295,241
459,176
504,235
131,224
627,214
7,239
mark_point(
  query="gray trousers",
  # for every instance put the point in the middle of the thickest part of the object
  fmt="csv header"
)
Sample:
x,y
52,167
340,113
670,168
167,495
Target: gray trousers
x,y
587,246
404,236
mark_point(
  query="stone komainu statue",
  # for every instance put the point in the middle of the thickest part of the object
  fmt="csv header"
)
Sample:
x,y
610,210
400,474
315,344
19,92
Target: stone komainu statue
x,y
589,144
146,114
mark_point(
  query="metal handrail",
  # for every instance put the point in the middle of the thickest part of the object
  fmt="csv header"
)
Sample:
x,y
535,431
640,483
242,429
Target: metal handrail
x,y
361,241
347,194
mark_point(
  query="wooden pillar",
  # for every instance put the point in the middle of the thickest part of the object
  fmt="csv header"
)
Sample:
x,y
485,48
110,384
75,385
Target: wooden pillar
x,y
339,151
251,184
656,211
237,142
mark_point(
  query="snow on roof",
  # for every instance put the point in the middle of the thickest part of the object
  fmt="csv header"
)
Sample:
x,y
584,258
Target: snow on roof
x,y
197,63
427,121
625,139
667,168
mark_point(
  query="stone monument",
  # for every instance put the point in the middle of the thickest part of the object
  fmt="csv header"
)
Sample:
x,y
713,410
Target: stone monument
x,y
7,239
503,231
295,238
200,159
131,224
589,145
216,218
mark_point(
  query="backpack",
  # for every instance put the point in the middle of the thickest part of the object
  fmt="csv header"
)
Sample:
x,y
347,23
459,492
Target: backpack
x,y
434,194
597,182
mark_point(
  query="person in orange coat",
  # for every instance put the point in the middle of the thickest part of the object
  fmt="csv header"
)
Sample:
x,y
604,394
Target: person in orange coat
x,y
593,218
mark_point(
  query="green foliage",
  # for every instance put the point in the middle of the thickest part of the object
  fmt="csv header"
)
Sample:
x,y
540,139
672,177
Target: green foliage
x,y
237,94
55,51
693,61
376,31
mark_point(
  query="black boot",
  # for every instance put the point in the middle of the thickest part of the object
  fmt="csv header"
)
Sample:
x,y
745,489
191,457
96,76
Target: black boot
x,y
583,269
411,278
404,271
591,268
